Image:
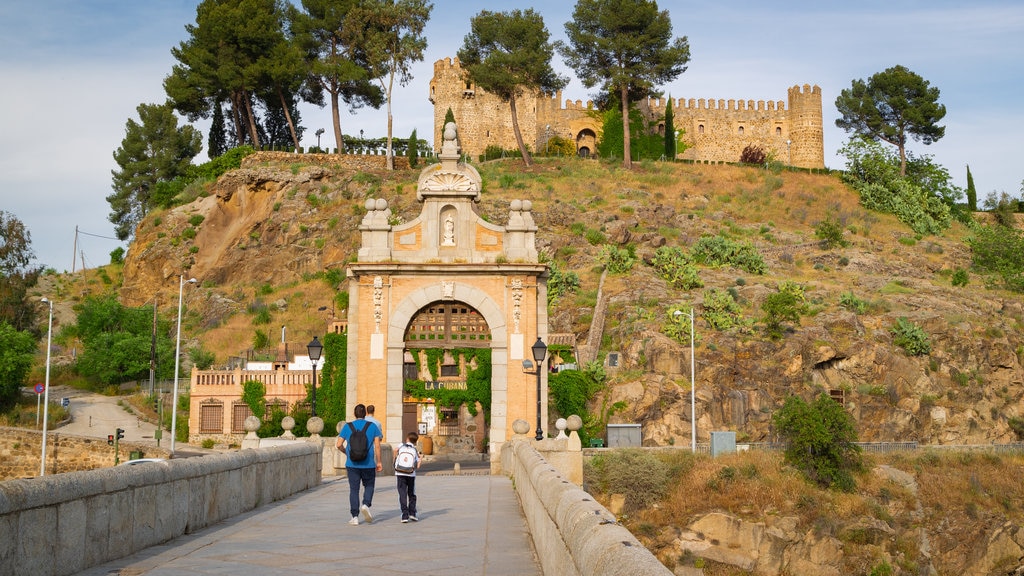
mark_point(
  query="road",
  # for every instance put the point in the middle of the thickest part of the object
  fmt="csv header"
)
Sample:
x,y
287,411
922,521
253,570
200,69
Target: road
x,y
95,415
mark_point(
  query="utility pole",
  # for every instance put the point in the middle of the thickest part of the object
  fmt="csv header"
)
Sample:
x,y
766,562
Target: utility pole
x,y
152,354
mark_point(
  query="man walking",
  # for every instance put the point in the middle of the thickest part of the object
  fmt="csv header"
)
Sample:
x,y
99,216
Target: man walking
x,y
373,417
360,440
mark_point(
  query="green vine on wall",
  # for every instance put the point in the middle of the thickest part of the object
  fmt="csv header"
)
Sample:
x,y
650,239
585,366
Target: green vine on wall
x,y
478,379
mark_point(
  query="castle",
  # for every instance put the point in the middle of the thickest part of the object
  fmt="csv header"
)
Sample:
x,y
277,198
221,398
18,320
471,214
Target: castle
x,y
715,130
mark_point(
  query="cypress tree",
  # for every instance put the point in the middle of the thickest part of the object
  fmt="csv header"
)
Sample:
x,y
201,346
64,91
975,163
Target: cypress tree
x,y
216,141
670,131
448,117
413,150
972,193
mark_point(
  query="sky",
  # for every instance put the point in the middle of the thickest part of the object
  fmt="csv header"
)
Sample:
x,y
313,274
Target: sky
x,y
72,73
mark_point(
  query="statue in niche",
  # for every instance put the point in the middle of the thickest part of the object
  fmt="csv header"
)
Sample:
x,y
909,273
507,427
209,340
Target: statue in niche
x,y
448,238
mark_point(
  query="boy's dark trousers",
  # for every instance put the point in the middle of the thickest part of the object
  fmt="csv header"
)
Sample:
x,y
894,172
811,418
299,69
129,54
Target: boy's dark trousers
x,y
407,495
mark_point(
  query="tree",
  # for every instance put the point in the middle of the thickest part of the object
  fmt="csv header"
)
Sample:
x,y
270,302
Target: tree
x,y
116,341
333,62
216,140
892,106
16,277
508,54
413,150
820,440
391,34
155,150
972,192
254,395
229,56
626,46
16,350
670,131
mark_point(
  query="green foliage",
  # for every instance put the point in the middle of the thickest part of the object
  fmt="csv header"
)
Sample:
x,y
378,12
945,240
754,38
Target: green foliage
x,y
117,341
478,380
960,277
677,326
413,150
721,251
1003,207
617,260
16,353
559,146
639,475
201,357
594,237
670,130
260,340
910,337
721,311
999,250
570,392
117,255
851,302
561,283
154,150
972,192
786,305
921,199
254,394
830,232
195,220
331,380
675,267
821,441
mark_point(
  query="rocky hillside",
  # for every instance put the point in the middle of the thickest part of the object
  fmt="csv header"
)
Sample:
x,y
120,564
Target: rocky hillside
x,y
275,229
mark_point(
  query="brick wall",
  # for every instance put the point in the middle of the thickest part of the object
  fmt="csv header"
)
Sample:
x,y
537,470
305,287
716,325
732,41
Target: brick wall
x,y
20,450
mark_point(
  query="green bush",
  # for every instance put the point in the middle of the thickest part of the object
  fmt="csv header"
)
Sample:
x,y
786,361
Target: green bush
x,y
675,267
721,251
595,237
617,260
999,250
721,311
850,301
960,277
830,232
820,441
196,219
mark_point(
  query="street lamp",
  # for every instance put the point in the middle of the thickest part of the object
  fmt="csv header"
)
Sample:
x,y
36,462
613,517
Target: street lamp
x,y
46,390
539,351
177,360
319,131
789,155
314,349
693,385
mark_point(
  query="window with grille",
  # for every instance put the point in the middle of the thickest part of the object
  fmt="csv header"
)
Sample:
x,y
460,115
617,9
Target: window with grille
x,y
448,423
445,325
239,412
273,405
211,418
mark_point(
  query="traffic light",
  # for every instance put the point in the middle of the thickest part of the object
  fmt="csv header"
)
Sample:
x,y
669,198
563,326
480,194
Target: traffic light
x,y
120,433
110,439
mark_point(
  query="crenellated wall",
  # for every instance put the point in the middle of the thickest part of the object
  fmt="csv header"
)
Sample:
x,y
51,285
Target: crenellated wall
x,y
716,130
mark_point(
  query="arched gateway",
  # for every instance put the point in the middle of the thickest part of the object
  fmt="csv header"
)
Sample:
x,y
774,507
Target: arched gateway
x,y
445,281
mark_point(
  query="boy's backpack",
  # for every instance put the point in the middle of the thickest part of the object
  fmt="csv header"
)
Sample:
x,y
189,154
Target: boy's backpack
x,y
405,461
358,443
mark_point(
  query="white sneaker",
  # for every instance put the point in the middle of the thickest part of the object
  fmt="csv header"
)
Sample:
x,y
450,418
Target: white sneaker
x,y
414,518
354,521
366,513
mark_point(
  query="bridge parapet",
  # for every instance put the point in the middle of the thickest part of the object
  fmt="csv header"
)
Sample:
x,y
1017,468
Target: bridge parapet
x,y
65,523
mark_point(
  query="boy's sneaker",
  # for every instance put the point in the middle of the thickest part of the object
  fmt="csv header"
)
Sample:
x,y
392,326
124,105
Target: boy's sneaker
x,y
413,518
366,513
405,519
354,521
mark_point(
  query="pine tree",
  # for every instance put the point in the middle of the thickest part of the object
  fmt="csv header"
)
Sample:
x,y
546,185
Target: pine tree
x,y
972,193
670,131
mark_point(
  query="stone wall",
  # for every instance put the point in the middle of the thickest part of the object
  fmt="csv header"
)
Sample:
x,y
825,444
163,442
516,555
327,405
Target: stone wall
x,y
20,450
66,523
573,534
716,130
367,162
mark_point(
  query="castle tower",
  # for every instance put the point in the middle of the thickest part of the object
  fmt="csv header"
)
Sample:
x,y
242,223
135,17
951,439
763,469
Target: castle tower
x,y
807,148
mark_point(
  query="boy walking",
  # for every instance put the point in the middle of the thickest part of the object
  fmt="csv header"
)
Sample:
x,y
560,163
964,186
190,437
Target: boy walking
x,y
407,460
360,434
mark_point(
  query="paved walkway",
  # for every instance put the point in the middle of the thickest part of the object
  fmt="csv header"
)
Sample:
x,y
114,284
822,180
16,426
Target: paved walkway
x,y
468,524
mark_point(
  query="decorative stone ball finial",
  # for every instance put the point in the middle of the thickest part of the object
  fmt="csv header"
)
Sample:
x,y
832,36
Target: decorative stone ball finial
x,y
287,423
315,425
560,424
521,426
252,423
574,423
450,131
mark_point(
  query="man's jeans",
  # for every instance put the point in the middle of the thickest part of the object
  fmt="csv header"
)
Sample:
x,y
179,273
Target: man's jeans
x,y
368,477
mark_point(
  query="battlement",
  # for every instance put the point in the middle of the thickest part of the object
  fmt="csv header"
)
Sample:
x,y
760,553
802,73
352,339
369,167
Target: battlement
x,y
806,89
719,104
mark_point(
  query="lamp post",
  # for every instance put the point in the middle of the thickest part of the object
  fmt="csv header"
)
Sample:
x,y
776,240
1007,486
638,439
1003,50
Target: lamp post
x,y
693,385
46,390
789,155
539,352
177,360
319,131
314,349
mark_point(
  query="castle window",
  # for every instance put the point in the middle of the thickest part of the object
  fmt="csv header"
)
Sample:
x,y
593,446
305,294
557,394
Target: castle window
x,y
778,131
700,129
741,130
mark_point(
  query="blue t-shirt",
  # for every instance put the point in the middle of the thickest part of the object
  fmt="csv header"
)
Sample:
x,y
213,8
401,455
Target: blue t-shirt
x,y
372,431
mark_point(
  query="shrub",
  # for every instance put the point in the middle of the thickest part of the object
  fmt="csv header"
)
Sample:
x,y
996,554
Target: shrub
x,y
721,311
674,266
788,304
617,260
850,301
720,251
637,474
910,337
595,237
821,441
830,232
753,154
960,277
196,219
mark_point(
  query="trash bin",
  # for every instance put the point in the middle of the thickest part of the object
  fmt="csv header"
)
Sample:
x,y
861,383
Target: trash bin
x,y
427,444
